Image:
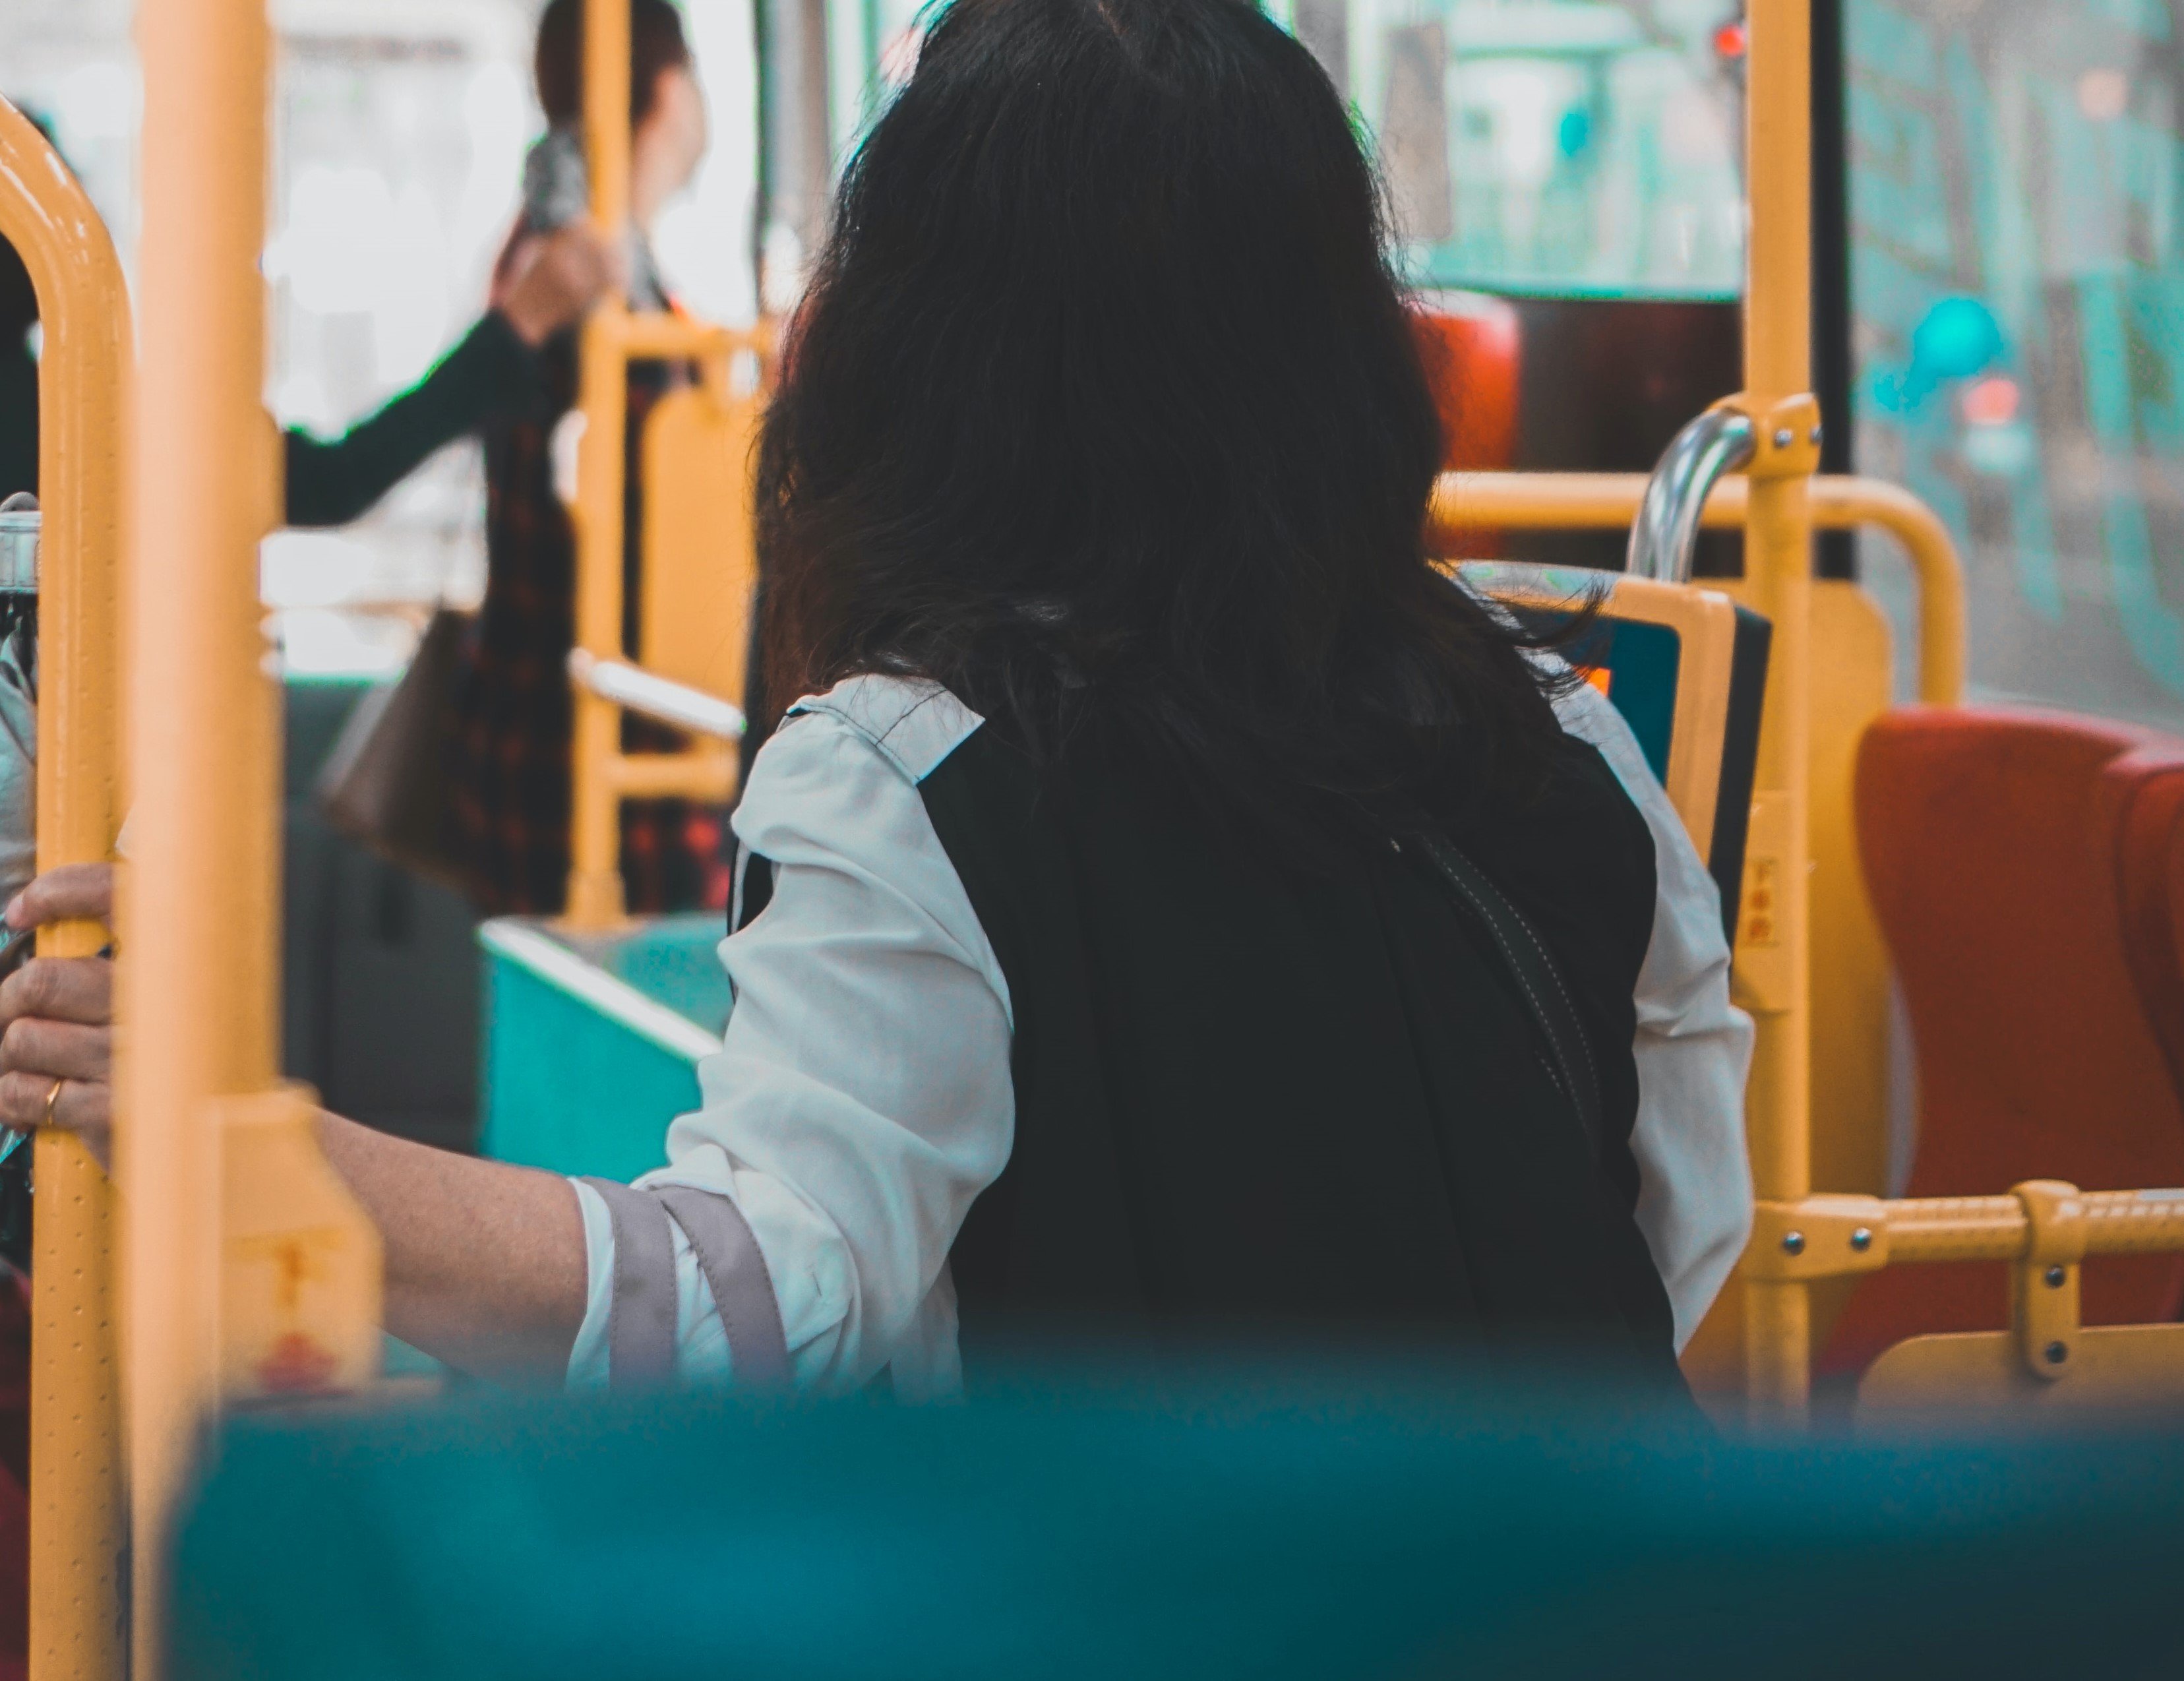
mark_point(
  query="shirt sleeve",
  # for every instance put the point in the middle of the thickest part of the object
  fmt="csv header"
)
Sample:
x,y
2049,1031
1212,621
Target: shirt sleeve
x,y
862,1097
1693,1046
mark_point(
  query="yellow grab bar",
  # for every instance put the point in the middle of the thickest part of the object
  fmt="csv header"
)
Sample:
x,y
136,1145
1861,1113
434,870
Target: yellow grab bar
x,y
76,1487
248,1268
601,775
1775,979
1609,501
2044,1229
197,995
1778,511
595,895
706,773
1829,1235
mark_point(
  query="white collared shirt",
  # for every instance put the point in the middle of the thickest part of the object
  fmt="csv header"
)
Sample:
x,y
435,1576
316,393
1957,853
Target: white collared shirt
x,y
862,1097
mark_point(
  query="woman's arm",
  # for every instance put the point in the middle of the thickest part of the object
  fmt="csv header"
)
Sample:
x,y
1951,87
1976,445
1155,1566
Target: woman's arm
x,y
1693,1046
861,1100
484,1261
493,369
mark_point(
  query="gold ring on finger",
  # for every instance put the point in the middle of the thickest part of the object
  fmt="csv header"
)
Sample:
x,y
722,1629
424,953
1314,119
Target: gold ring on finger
x,y
53,1097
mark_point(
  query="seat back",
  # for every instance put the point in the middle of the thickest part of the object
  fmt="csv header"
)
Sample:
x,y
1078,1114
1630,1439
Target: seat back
x,y
1472,354
1994,848
2148,789
1687,668
699,538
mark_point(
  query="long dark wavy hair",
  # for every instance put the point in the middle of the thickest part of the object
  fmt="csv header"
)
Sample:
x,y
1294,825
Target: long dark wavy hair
x,y
1104,404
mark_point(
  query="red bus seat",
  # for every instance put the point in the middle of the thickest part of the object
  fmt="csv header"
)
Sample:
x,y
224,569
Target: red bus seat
x,y
2148,786
1471,347
1995,847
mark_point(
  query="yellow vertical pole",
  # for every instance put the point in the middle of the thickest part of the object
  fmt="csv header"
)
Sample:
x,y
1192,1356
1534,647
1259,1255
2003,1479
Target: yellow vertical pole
x,y
197,992
75,1449
595,895
1774,953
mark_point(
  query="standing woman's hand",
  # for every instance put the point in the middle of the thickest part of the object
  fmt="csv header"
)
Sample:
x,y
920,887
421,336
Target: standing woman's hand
x,y
554,278
57,1016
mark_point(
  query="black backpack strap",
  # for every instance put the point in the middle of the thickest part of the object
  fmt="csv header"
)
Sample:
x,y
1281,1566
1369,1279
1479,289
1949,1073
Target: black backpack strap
x,y
1537,978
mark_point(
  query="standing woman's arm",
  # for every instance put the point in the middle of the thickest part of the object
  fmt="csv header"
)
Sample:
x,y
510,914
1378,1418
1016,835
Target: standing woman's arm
x,y
493,370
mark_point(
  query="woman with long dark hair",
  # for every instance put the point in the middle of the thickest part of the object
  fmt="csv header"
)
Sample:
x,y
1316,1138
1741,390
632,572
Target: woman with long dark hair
x,y
1173,905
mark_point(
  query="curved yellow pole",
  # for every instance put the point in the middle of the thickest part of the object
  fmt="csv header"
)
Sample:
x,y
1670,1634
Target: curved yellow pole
x,y
1470,502
1839,503
76,1450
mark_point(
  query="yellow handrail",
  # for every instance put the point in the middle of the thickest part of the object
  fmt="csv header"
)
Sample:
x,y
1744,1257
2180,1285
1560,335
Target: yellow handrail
x,y
1467,502
595,896
76,1446
1829,1235
247,1266
1775,975
601,775
196,993
704,773
2044,1229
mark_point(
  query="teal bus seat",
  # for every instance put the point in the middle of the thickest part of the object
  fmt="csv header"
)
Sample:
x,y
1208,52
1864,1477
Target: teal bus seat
x,y
1686,667
1284,1524
592,1042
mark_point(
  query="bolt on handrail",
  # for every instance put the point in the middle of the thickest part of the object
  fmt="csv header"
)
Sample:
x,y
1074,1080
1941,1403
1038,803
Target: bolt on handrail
x,y
1665,536
1830,1234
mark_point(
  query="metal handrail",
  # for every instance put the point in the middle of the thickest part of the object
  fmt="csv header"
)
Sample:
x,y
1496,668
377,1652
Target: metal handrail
x,y
1665,534
1832,1235
635,689
1470,502
613,335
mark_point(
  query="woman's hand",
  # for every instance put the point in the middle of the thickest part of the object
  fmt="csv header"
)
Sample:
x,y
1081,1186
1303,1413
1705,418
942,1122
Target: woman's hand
x,y
486,1262
57,1016
554,278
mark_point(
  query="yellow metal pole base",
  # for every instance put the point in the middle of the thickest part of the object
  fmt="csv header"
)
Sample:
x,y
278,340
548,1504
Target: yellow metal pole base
x,y
595,900
302,1269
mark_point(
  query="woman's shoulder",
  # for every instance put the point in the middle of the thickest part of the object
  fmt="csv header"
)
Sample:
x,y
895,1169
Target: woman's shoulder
x,y
837,789
845,769
911,724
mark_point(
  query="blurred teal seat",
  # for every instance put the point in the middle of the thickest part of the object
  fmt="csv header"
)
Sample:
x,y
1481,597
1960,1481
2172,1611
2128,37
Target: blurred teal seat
x,y
1246,1524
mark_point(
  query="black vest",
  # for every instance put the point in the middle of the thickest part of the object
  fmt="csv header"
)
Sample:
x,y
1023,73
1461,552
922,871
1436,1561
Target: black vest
x,y
1248,1099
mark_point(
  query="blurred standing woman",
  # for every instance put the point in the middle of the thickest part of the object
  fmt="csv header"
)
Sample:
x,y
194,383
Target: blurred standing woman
x,y
511,732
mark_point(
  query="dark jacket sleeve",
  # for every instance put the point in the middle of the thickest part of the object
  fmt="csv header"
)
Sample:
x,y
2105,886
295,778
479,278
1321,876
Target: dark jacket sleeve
x,y
331,481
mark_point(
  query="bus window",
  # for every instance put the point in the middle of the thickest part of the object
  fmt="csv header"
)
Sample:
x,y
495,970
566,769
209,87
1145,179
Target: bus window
x,y
2018,290
1563,146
